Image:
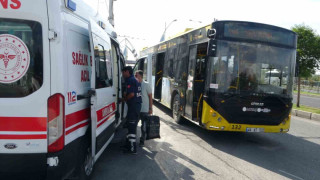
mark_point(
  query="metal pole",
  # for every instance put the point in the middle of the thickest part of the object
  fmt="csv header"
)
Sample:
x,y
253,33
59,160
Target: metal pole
x,y
165,30
111,16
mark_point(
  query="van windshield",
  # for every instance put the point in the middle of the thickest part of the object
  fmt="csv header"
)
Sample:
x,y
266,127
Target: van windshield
x,y
21,57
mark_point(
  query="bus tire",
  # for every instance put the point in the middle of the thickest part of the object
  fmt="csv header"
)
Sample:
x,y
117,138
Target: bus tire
x,y
86,164
176,112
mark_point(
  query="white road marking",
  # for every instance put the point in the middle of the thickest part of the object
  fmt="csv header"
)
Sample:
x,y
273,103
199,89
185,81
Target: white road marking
x,y
291,175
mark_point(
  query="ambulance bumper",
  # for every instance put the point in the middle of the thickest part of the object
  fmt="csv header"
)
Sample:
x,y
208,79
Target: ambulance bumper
x,y
23,166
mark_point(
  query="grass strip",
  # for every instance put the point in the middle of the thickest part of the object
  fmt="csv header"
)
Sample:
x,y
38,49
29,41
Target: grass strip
x,y
306,108
307,93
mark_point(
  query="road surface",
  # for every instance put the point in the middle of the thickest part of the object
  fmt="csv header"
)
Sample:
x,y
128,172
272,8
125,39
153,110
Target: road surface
x,y
308,100
190,152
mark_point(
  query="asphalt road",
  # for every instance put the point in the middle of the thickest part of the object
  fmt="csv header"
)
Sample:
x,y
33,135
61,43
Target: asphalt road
x,y
190,152
308,100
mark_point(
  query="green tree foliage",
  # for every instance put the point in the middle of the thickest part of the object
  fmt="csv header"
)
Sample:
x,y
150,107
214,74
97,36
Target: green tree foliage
x,y
308,50
314,78
308,53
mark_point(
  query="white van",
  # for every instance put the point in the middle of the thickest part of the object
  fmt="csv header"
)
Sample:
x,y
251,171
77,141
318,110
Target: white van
x,y
60,80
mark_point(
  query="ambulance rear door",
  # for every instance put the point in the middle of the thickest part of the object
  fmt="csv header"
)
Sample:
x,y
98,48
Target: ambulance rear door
x,y
24,76
103,91
24,86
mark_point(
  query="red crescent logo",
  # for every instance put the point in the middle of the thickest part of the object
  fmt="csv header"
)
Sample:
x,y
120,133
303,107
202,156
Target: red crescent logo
x,y
14,58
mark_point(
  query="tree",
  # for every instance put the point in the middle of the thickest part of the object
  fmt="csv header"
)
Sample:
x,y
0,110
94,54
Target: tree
x,y
308,53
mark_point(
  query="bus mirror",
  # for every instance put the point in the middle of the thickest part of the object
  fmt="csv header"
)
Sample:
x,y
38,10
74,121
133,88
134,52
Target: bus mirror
x,y
211,33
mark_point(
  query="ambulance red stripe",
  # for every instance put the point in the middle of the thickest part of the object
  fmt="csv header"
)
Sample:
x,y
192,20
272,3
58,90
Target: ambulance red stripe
x,y
77,127
102,122
13,136
76,117
106,111
23,124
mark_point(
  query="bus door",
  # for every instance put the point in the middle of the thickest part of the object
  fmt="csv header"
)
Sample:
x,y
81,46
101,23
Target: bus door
x,y
159,75
103,92
190,81
196,80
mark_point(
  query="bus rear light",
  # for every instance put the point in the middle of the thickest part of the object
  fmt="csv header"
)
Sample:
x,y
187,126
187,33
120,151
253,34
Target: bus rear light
x,y
56,123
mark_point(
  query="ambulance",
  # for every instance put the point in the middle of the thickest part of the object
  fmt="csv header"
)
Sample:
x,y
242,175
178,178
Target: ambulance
x,y
60,81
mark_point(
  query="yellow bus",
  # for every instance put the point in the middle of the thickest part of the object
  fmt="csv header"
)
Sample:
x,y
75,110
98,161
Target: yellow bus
x,y
218,76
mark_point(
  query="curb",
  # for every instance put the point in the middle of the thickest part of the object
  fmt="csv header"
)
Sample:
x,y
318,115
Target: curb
x,y
305,114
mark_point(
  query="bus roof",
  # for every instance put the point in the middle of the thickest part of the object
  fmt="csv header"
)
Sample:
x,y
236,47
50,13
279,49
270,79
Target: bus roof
x,y
187,31
220,23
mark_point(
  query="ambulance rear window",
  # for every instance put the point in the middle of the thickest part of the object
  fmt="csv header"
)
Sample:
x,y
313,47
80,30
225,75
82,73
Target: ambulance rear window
x,y
21,57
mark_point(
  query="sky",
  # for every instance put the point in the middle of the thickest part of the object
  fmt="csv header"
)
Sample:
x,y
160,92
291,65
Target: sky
x,y
144,20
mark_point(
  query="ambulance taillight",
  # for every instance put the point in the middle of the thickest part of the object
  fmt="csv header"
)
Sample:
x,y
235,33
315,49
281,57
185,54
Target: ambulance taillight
x,y
56,123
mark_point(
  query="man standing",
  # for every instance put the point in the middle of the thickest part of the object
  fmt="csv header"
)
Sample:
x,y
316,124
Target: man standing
x,y
146,107
133,100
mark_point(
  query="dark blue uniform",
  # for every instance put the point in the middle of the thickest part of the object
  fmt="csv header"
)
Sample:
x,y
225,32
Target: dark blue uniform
x,y
133,86
134,107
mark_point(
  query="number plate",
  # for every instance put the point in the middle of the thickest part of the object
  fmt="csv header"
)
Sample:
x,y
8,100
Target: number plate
x,y
255,129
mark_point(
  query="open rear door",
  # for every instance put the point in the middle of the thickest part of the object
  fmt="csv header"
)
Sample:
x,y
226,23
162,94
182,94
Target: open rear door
x,y
103,92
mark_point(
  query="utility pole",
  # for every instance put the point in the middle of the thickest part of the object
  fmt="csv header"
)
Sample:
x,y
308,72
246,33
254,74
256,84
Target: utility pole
x,y
111,16
163,37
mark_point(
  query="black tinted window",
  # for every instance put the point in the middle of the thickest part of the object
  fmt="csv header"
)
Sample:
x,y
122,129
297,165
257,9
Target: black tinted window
x,y
21,57
103,63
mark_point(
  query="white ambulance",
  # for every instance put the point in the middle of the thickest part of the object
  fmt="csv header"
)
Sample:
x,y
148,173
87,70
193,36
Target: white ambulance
x,y
60,80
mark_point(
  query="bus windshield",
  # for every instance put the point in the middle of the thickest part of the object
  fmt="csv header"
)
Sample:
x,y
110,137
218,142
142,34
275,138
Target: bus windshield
x,y
247,67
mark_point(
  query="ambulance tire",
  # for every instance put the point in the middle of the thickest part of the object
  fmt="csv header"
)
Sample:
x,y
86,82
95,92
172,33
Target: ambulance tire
x,y
176,112
86,164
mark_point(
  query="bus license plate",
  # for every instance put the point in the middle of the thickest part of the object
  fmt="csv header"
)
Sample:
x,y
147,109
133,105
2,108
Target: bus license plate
x,y
255,129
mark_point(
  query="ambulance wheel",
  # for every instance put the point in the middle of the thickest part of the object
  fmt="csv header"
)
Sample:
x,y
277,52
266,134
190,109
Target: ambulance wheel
x,y
86,165
176,112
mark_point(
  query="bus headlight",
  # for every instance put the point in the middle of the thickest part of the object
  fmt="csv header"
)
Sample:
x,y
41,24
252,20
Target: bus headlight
x,y
219,119
214,115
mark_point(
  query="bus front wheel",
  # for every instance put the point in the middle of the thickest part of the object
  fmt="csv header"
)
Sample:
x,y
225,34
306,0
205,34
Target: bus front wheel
x,y
176,112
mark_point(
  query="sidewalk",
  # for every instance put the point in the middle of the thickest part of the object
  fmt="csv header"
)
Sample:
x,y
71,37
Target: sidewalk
x,y
304,114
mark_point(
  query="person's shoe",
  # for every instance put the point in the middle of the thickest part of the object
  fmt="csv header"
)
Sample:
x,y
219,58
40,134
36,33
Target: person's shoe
x,y
132,148
127,151
141,144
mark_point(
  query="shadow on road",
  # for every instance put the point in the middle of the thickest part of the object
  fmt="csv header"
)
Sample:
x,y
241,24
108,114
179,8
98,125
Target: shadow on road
x,y
290,156
156,161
